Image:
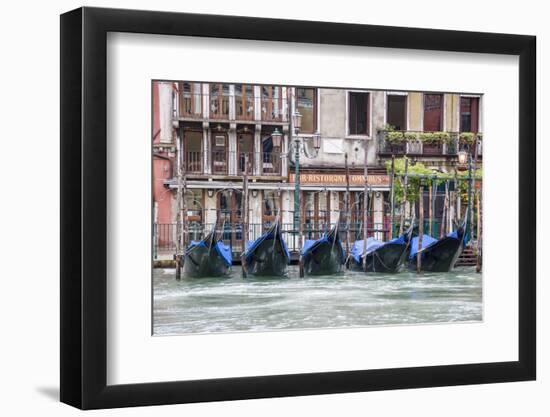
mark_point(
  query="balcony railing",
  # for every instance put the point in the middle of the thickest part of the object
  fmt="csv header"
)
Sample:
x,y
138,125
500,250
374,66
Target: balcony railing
x,y
231,107
274,109
220,163
189,105
411,143
233,163
194,162
271,163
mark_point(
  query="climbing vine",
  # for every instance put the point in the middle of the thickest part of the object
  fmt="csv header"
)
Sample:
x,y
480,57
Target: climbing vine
x,y
419,169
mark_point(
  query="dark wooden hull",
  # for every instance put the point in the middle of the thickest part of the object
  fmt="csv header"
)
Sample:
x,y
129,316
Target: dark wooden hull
x,y
387,259
204,261
441,256
269,258
325,258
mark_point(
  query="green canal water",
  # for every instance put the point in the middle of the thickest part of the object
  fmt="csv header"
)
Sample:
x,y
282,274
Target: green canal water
x,y
353,299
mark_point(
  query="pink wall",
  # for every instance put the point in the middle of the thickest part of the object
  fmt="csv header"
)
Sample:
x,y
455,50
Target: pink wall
x,y
162,195
161,168
156,113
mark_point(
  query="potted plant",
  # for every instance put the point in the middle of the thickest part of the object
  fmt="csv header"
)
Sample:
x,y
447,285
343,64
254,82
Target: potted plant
x,y
433,142
467,137
397,141
467,140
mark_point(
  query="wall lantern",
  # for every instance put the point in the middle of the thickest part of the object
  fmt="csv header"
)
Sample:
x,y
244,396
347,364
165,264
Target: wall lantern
x,y
317,141
276,138
462,157
254,193
297,120
210,193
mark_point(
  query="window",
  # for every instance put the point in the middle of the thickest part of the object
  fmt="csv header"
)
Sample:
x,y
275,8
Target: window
x,y
193,203
219,153
306,104
219,101
433,112
358,113
270,207
469,114
189,99
193,151
396,115
244,101
272,103
271,157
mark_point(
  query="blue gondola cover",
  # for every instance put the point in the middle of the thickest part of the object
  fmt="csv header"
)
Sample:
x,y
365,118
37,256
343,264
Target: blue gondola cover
x,y
222,249
427,241
251,245
311,244
372,245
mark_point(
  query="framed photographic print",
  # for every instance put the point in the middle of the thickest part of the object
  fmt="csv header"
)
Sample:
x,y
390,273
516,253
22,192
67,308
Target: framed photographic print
x,y
256,208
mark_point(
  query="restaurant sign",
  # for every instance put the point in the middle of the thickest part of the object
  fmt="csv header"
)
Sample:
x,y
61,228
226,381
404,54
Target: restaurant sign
x,y
340,179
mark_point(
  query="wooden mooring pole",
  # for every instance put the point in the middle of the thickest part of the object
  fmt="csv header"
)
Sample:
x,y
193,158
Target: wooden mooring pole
x,y
347,203
445,216
182,214
479,233
246,214
365,212
392,196
404,203
420,229
430,213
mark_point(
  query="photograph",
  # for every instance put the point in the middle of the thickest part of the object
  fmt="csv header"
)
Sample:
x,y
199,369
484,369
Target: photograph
x,y
286,207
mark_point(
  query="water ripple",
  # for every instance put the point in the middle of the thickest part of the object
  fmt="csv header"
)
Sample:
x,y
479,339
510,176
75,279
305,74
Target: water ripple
x,y
235,304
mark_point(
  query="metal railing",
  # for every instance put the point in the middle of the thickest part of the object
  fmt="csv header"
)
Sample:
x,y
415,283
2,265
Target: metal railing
x,y
192,105
410,143
220,163
230,227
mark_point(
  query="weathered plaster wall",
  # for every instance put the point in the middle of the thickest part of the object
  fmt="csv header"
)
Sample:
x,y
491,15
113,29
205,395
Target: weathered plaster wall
x,y
416,109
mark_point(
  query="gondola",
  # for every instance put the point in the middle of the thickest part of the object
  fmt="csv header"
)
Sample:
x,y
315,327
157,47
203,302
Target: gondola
x,y
324,256
386,257
208,257
438,255
268,255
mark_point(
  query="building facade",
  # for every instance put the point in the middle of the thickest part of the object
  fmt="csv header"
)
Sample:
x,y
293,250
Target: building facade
x,y
213,133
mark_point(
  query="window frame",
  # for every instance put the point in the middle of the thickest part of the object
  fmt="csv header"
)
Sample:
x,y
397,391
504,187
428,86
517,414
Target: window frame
x,y
315,111
479,111
407,107
442,123
368,135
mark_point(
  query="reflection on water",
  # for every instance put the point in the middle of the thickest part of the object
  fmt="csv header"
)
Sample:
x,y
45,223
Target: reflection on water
x,y
236,304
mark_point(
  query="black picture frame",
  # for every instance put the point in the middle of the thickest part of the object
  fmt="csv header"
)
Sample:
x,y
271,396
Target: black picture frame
x,y
84,207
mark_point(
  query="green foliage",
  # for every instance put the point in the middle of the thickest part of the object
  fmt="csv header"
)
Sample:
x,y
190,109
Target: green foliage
x,y
411,136
467,137
395,137
435,137
420,175
387,128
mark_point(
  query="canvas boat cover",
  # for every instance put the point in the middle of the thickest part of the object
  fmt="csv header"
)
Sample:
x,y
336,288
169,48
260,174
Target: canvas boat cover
x,y
372,245
427,241
221,248
310,245
251,245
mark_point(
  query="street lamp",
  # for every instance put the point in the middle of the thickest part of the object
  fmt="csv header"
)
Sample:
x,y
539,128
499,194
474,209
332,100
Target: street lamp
x,y
276,138
299,146
462,157
317,141
297,121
